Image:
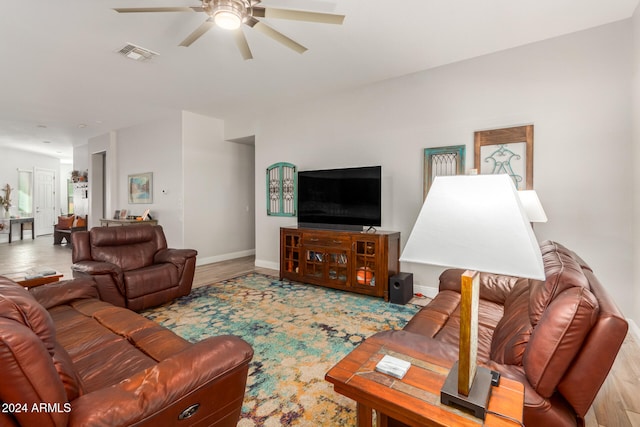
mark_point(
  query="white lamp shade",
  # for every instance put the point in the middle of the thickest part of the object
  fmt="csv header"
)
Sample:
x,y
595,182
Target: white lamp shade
x,y
532,206
476,223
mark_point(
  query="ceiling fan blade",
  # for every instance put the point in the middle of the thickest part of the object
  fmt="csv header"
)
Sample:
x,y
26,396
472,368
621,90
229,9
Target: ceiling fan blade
x,y
279,37
243,46
203,28
158,9
298,15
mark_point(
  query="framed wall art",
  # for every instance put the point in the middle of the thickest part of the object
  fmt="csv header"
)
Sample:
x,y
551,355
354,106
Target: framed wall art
x,y
281,189
141,188
508,151
442,161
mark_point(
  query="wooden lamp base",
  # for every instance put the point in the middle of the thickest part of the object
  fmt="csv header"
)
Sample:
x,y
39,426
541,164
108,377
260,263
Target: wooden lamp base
x,y
479,394
468,385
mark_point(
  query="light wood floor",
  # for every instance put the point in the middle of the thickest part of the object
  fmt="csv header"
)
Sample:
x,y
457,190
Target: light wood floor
x,y
617,404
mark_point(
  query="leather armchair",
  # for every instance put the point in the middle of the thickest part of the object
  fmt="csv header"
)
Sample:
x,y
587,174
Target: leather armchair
x,y
132,265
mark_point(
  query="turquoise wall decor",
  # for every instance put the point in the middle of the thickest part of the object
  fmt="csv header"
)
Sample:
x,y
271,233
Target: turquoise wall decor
x,y
442,161
281,189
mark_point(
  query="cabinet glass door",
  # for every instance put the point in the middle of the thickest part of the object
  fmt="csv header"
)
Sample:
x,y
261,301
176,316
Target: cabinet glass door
x,y
337,262
365,264
292,253
314,262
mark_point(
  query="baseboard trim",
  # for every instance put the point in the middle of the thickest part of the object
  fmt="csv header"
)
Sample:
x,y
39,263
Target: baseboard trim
x,y
428,291
225,257
267,264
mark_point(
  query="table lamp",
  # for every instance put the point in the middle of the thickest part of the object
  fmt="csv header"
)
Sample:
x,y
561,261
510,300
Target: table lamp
x,y
478,223
532,206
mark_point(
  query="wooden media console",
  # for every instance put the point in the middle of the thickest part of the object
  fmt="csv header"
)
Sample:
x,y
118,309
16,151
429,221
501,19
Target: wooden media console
x,y
353,261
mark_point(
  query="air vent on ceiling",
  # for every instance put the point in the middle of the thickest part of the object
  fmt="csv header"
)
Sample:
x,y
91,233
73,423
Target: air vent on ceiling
x,y
137,53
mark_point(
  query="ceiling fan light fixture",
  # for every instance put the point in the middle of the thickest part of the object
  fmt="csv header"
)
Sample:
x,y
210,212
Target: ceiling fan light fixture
x,y
229,14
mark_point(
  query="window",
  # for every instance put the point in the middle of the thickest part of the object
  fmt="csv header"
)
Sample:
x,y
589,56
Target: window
x,y
25,193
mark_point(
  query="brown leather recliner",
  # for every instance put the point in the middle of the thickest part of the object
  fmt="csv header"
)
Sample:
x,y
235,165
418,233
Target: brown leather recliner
x,y
132,265
69,359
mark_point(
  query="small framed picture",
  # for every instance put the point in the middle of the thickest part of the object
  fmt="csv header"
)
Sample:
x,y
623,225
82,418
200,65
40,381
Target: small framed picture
x,y
141,188
145,215
123,214
116,215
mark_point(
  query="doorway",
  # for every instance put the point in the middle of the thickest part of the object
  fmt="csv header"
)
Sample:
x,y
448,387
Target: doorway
x,y
44,196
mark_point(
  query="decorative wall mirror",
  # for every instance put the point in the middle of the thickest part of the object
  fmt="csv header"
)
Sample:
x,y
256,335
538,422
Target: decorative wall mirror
x,y
442,161
281,189
506,150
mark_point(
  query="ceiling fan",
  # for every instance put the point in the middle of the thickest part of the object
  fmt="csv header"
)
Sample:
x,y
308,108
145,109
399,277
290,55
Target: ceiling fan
x,y
231,14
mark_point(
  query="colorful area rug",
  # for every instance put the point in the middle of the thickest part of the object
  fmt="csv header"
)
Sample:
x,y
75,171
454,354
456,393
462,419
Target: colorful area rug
x,y
298,332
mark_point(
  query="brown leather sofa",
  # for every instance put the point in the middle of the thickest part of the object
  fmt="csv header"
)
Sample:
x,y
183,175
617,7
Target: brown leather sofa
x,y
132,265
69,359
558,337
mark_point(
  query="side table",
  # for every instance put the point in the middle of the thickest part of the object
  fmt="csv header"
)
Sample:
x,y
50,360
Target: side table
x,y
29,279
415,399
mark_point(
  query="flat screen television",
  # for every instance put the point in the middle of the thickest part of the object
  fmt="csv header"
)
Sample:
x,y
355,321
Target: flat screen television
x,y
345,199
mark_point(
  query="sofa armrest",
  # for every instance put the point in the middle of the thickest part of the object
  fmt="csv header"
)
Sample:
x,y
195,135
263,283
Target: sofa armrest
x,y
493,287
174,256
170,387
450,280
95,268
59,293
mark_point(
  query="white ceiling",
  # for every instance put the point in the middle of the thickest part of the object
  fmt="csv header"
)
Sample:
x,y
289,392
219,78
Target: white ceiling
x,y
63,83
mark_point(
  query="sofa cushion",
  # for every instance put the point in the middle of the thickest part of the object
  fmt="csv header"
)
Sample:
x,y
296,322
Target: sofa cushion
x,y
148,280
80,222
65,222
35,368
72,383
558,337
513,331
129,248
101,356
440,319
431,318
18,305
562,272
28,374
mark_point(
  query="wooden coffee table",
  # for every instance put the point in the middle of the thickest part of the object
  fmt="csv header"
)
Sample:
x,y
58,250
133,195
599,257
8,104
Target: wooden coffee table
x,y
414,400
29,279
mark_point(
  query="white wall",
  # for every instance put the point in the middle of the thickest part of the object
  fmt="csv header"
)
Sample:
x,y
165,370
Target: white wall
x,y
107,144
218,191
155,147
81,155
11,161
636,161
203,186
65,174
574,89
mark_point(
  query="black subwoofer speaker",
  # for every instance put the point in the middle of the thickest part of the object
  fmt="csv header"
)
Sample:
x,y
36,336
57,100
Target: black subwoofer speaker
x,y
401,288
